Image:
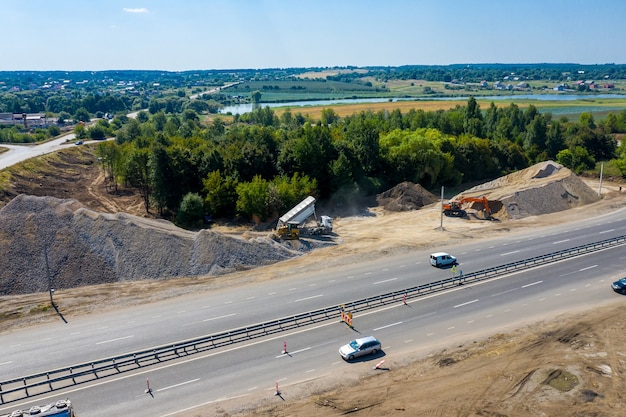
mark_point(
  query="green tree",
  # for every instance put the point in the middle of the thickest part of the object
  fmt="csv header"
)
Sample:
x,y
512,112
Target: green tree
x,y
138,173
328,116
253,198
576,159
255,96
191,210
82,115
220,194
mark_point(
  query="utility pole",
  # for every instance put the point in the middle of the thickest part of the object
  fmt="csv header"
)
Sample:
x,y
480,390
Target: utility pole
x,y
50,289
441,211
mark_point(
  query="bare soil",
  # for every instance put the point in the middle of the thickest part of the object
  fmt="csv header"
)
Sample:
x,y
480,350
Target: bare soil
x,y
568,365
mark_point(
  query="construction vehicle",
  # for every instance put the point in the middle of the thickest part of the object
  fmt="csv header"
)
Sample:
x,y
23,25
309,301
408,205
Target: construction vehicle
x,y
61,408
289,231
455,208
291,225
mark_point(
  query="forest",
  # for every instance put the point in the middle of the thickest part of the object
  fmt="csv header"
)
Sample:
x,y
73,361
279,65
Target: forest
x,y
262,164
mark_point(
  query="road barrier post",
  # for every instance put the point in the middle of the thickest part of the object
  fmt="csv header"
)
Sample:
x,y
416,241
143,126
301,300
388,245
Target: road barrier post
x,y
379,364
284,347
404,298
277,391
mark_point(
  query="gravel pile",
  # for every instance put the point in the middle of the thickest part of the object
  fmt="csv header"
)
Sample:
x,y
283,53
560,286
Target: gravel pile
x,y
543,188
405,196
84,247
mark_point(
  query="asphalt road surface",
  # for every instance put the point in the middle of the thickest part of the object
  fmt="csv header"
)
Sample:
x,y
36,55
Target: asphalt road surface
x,y
251,369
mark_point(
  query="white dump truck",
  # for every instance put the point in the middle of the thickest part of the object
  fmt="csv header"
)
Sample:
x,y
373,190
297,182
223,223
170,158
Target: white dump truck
x,y
293,223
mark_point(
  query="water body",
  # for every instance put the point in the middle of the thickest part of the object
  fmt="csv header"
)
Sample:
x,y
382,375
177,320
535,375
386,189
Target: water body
x,y
248,107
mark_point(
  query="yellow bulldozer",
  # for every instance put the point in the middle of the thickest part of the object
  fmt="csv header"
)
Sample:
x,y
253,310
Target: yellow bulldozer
x,y
289,231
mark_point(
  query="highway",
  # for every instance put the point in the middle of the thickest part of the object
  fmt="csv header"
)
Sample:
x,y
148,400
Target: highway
x,y
19,153
250,370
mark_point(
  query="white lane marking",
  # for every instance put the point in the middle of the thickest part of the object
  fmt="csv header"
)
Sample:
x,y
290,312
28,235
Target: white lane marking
x,y
178,385
293,353
228,302
389,325
385,269
589,267
387,280
220,317
430,334
560,241
557,294
331,280
350,276
106,327
531,284
607,231
252,297
308,298
271,293
488,316
408,341
470,322
181,311
588,285
309,371
509,253
114,340
312,285
464,304
203,307
75,333
403,266
252,388
368,273
504,292
572,290
45,340
6,363
451,328
292,289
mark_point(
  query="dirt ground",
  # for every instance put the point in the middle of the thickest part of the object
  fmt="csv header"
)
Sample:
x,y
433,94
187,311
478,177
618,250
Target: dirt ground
x,y
568,365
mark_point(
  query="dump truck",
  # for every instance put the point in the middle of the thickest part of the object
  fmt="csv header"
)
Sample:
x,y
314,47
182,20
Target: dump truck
x,y
292,224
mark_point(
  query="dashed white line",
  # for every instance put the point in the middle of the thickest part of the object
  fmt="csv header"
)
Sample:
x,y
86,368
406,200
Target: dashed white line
x,y
6,363
589,267
389,325
607,231
308,298
178,385
531,284
560,241
509,253
309,371
470,322
387,280
271,293
464,304
114,340
220,317
291,353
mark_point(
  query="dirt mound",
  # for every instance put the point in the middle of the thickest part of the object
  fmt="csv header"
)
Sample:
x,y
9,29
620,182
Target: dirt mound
x,y
543,188
405,196
83,247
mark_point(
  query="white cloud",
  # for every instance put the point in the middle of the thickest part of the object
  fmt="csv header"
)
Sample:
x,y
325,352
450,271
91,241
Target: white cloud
x,y
136,10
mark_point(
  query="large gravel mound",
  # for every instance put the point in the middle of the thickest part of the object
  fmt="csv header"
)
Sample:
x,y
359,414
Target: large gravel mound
x,y
84,247
405,196
543,188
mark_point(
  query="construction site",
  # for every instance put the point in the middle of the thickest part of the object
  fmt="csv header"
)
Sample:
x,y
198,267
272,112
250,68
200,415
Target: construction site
x,y
97,245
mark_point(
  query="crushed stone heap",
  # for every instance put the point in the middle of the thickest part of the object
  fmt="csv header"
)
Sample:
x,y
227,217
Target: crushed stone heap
x,y
405,196
84,247
543,188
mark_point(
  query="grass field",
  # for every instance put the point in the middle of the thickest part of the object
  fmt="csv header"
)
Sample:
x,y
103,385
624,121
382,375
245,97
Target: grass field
x,y
570,109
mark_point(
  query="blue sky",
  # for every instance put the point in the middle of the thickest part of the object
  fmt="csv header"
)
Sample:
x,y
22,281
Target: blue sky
x,y
226,34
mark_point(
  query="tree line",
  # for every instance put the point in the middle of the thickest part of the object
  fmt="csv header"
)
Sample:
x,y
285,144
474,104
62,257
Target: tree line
x,y
261,165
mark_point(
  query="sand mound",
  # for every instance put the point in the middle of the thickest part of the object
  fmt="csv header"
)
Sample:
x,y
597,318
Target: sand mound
x,y
405,196
84,247
543,188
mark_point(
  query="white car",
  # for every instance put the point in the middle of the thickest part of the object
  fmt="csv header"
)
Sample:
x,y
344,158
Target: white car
x,y
440,259
359,347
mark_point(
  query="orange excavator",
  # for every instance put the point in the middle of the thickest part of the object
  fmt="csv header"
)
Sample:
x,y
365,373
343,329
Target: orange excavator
x,y
454,208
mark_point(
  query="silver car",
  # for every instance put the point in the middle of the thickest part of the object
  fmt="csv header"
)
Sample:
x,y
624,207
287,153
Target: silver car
x,y
359,347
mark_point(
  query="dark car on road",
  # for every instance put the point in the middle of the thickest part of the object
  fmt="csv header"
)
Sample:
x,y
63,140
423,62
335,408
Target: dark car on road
x,y
619,286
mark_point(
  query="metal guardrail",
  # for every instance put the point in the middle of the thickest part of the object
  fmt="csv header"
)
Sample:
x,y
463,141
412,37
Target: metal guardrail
x,y
28,386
